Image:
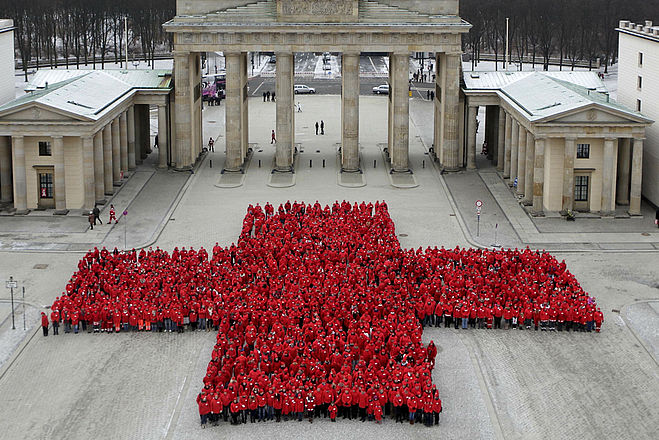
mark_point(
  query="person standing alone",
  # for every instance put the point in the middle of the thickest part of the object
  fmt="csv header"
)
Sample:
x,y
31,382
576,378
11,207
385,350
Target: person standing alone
x,y
322,127
273,140
44,323
316,128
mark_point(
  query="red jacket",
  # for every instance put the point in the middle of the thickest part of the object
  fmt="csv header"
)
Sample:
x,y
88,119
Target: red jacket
x,y
44,320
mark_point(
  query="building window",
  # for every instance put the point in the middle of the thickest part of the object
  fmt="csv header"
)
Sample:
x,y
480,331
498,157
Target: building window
x,y
581,188
640,59
583,151
638,105
44,149
639,85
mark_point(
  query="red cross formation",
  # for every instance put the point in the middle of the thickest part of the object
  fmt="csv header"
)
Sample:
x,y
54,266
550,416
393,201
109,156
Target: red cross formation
x,y
313,301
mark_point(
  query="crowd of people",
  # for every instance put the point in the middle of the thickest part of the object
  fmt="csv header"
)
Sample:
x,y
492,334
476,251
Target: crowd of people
x,y
319,311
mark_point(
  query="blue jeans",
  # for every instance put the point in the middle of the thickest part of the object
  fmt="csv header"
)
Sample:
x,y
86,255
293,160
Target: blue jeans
x,y
412,415
75,328
464,322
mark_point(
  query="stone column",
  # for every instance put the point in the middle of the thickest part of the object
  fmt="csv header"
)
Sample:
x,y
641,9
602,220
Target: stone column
x,y
624,162
350,112
59,184
20,178
6,184
233,117
451,111
99,187
88,172
521,161
568,173
514,151
107,160
501,139
162,136
123,141
472,121
508,145
131,137
608,183
181,146
116,161
438,104
285,130
539,176
400,67
637,171
244,109
528,167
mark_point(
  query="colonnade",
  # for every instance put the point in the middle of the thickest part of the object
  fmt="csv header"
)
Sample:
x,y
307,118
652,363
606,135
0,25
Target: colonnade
x,y
188,143
522,160
116,146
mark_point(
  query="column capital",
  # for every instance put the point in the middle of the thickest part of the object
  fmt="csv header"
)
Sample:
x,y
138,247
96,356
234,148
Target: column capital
x,y
638,138
17,136
161,105
571,138
57,136
351,52
610,138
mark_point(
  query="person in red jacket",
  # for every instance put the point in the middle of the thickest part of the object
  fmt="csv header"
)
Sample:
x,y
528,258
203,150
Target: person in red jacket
x,y
44,323
332,411
54,318
204,408
235,412
436,407
411,407
216,408
599,318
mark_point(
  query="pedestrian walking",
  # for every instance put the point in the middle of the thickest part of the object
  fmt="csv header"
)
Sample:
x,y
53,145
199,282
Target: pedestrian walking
x,y
267,95
90,219
264,96
428,95
322,127
113,215
432,95
211,145
656,218
155,141
274,139
316,128
299,107
97,214
273,96
44,323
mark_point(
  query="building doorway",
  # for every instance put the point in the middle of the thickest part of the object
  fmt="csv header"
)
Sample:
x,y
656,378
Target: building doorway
x,y
582,192
46,195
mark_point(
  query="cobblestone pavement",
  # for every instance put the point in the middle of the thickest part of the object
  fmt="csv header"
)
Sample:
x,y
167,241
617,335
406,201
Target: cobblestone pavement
x,y
495,384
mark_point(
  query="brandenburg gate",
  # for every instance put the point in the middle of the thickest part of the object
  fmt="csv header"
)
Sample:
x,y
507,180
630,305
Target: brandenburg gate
x,y
349,27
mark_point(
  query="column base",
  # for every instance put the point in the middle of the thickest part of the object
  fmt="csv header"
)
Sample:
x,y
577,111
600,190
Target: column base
x,y
401,171
634,214
162,167
527,202
117,184
187,168
21,211
288,169
450,170
347,170
61,212
537,213
100,202
109,193
607,214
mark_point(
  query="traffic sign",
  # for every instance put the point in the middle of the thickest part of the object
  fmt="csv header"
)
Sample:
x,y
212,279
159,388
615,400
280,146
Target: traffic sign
x,y
479,204
11,284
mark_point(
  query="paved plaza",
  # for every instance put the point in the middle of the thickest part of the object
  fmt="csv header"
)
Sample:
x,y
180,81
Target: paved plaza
x,y
494,384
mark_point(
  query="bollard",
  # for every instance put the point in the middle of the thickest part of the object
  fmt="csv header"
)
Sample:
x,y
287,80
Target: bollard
x,y
259,163
310,163
210,162
375,162
323,163
423,164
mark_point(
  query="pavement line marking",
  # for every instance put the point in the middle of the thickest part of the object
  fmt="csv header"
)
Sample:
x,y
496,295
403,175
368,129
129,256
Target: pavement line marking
x,y
485,390
373,64
257,89
177,407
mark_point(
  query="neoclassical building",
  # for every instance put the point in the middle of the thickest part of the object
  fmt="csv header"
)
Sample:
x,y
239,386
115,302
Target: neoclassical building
x,y
349,27
559,139
68,141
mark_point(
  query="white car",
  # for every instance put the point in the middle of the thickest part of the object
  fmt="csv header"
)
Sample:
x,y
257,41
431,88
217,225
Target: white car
x,y
303,89
382,89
